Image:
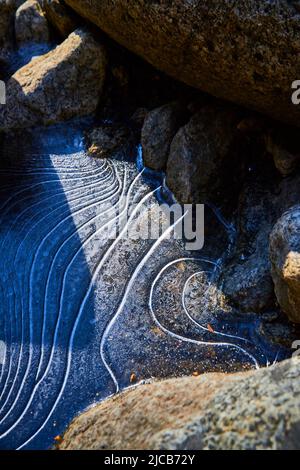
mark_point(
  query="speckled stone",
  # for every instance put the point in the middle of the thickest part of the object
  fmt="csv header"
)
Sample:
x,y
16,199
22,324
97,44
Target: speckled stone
x,y
246,52
254,410
57,86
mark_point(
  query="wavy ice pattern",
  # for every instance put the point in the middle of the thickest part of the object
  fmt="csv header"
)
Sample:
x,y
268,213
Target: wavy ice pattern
x,y
80,311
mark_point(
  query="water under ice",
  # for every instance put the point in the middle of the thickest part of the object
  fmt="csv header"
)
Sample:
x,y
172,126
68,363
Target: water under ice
x,y
81,312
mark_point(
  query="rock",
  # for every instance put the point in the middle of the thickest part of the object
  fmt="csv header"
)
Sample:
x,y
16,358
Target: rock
x,y
7,9
285,259
31,24
283,145
7,36
232,51
103,141
121,77
202,160
253,410
65,83
160,126
279,331
138,117
61,17
246,280
248,283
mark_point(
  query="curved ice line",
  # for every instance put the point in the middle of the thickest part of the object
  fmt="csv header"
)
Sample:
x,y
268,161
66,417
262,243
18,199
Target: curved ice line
x,y
23,240
92,196
37,161
123,187
23,212
195,321
51,163
5,338
47,198
58,208
49,170
183,338
8,320
126,293
99,267
34,185
206,329
8,349
65,203
30,309
75,325
17,346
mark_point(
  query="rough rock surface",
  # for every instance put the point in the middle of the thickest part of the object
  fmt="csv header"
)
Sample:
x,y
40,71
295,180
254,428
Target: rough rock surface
x,y
283,145
285,259
255,410
236,51
160,126
31,24
7,9
108,139
202,158
62,84
248,284
61,17
247,280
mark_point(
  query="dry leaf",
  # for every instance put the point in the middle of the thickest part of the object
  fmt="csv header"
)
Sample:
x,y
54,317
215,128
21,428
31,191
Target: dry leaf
x,y
132,378
181,266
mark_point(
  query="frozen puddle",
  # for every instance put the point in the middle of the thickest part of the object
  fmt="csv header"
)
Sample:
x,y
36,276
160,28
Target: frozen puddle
x,y
81,310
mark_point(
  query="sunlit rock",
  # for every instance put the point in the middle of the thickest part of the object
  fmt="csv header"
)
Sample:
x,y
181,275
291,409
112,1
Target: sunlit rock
x,y
285,258
246,51
213,411
57,86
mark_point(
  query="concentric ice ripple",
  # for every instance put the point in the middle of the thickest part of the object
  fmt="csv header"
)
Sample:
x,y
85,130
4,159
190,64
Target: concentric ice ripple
x,y
80,310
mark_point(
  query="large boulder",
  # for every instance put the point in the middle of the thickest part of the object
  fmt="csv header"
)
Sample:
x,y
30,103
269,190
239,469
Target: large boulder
x,y
254,410
65,83
246,52
285,259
